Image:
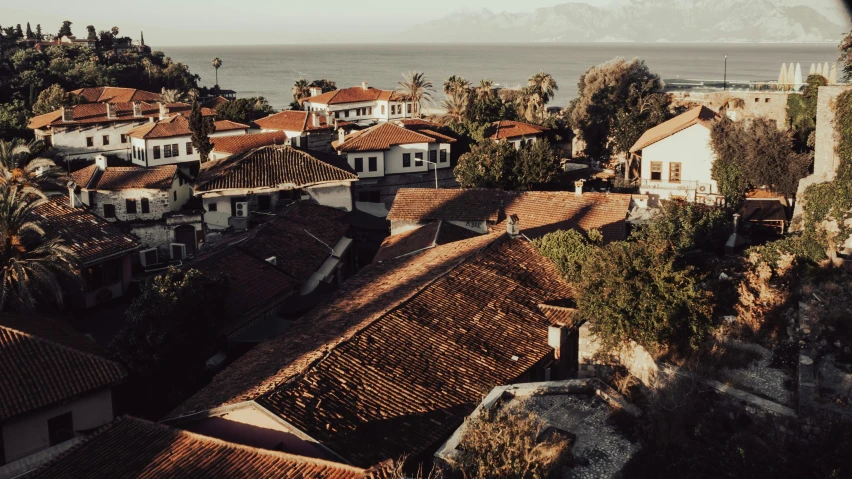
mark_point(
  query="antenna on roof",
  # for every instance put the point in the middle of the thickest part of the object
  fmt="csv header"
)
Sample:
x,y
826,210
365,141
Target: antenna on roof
x,y
321,241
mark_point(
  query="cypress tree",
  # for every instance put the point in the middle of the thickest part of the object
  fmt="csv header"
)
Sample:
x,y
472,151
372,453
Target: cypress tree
x,y
30,34
18,32
39,35
201,129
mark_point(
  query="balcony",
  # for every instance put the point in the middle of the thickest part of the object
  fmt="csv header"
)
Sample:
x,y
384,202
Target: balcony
x,y
668,185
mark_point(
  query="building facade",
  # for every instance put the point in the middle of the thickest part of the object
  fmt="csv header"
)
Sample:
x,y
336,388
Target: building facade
x,y
169,141
359,104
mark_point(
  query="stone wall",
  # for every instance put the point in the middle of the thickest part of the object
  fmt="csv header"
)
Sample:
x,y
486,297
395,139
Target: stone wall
x,y
756,104
158,202
592,363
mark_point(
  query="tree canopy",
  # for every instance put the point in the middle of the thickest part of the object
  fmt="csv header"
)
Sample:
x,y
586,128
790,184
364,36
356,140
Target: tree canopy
x,y
491,164
201,128
244,110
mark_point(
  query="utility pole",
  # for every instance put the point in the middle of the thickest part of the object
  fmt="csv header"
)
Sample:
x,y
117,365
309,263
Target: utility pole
x,y
436,171
725,84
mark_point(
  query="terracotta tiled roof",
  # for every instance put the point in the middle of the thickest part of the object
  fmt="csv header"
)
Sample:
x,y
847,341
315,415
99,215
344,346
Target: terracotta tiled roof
x,y
268,167
558,315
540,212
293,120
437,136
239,143
93,113
37,371
511,129
361,299
111,94
418,123
177,125
215,103
135,448
428,236
408,379
352,95
129,177
88,236
700,115
382,137
82,176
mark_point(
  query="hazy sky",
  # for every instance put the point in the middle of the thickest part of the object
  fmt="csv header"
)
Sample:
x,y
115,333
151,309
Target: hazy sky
x,y
229,22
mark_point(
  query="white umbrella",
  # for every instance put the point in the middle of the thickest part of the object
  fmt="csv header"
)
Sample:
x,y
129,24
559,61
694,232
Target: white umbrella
x,y
819,69
832,77
825,70
797,77
813,69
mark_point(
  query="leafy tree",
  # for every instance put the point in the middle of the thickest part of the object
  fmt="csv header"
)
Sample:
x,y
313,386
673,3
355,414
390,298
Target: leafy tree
x,y
31,264
106,40
201,128
726,140
568,249
92,33
683,226
244,110
510,442
802,110
417,89
19,33
65,29
324,85
617,102
13,119
535,165
845,56
169,331
51,99
489,164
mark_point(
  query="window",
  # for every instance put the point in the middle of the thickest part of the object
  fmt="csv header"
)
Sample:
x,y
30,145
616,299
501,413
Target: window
x,y
180,180
756,100
406,160
383,109
337,114
109,211
418,159
146,207
212,207
370,196
124,138
433,156
409,108
131,207
167,151
134,152
766,100
174,195
175,150
359,165
60,428
656,170
264,203
674,172
346,113
393,109
90,141
443,156
188,147
156,152
373,163
369,110
105,139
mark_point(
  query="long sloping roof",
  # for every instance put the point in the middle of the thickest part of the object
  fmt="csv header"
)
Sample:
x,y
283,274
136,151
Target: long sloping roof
x,y
382,137
271,166
177,125
292,120
352,95
135,448
44,362
427,236
512,129
408,379
236,144
94,113
540,212
700,115
90,237
131,177
112,94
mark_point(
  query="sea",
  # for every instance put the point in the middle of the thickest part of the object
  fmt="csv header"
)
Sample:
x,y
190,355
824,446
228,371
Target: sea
x,y
271,70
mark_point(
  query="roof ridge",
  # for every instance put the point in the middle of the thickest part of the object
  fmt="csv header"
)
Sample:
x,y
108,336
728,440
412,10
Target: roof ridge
x,y
64,346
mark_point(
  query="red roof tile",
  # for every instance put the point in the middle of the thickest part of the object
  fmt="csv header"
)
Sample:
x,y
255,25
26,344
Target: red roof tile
x,y
407,379
428,236
40,365
111,94
94,113
382,137
512,129
293,120
88,236
82,176
352,95
129,177
177,125
700,115
540,212
239,143
135,448
228,125
271,166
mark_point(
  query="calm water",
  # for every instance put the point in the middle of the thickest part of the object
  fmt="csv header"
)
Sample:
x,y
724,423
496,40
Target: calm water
x,y
270,70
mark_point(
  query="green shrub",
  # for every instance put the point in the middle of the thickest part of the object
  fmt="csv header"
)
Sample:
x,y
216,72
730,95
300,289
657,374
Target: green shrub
x,y
567,249
686,226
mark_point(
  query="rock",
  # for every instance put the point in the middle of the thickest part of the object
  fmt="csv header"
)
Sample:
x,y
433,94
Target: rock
x,y
805,360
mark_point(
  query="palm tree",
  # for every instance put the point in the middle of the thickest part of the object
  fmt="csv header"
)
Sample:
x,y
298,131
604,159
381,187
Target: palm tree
x,y
31,264
216,62
525,103
416,88
455,107
542,86
455,84
170,96
485,90
19,165
301,89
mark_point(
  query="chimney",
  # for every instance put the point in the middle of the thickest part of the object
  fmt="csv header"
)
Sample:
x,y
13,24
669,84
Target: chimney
x,y
111,111
578,187
341,136
315,91
72,195
101,162
335,123
67,115
735,241
364,85
164,112
315,120
555,339
513,226
137,110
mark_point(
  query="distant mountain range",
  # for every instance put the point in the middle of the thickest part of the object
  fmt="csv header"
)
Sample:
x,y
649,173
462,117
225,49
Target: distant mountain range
x,y
647,21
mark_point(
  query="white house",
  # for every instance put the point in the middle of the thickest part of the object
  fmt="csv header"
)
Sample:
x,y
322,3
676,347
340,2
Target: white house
x,y
150,200
254,182
169,141
91,129
57,386
517,133
362,104
388,149
309,130
675,159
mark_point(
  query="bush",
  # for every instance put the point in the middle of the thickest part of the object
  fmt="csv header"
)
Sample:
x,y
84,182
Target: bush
x,y
568,249
686,226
